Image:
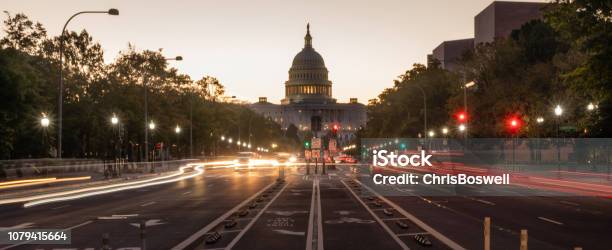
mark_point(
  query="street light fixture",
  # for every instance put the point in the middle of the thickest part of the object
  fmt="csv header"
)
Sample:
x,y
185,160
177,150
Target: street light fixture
x,y
151,125
114,120
223,138
432,133
60,99
177,129
146,112
558,110
461,127
44,121
444,131
591,107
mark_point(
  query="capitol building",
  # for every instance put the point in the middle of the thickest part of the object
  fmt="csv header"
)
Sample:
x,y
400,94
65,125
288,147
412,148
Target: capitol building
x,y
308,93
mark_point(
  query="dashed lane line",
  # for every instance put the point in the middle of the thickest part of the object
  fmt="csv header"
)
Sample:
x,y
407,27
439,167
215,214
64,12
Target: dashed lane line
x,y
551,221
184,244
248,226
148,203
380,222
450,243
311,218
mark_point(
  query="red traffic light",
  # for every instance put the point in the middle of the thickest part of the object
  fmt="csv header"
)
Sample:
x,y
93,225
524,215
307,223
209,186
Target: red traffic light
x,y
461,116
514,124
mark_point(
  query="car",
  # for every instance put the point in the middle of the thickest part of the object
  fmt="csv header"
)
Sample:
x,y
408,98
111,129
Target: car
x,y
344,159
244,160
285,158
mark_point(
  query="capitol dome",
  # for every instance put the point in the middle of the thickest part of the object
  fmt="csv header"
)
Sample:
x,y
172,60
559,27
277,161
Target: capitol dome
x,y
308,76
308,58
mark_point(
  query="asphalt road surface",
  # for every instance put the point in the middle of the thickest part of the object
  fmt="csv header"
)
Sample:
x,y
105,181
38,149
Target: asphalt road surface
x,y
225,209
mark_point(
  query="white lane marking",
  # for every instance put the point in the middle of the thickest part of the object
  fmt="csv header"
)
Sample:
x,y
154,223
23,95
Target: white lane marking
x,y
412,234
286,213
311,218
149,223
112,218
148,203
320,218
60,207
483,201
248,226
570,203
550,220
186,193
125,215
450,243
184,244
281,231
380,222
65,229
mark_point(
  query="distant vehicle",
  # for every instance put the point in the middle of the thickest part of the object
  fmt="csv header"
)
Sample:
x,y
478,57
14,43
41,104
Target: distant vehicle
x,y
344,159
244,160
285,158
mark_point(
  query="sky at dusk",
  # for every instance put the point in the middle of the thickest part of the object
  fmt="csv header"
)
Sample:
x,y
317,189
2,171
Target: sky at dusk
x,y
249,45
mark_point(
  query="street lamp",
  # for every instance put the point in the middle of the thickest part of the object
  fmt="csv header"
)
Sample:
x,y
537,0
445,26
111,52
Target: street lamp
x,y
177,131
558,110
114,120
591,106
558,113
151,125
465,105
60,99
222,138
462,127
44,121
431,133
444,131
146,109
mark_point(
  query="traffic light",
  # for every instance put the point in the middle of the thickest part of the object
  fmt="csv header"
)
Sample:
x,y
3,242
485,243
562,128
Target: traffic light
x,y
335,130
306,144
514,124
461,116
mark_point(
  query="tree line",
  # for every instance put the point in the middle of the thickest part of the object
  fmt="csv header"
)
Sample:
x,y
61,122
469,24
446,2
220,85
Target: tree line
x,y
96,91
561,59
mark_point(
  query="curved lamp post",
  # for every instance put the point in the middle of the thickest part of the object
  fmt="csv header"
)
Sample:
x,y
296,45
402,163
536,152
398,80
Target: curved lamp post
x,y
60,99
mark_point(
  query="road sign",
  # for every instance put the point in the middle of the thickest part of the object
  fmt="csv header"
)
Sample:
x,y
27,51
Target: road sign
x,y
316,154
307,154
316,143
332,145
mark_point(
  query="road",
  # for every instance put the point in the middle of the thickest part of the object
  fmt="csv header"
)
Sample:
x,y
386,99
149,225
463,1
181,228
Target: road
x,y
252,210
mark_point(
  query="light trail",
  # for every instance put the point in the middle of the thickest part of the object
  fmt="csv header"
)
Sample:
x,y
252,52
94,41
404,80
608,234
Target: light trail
x,y
199,170
45,181
6,183
102,188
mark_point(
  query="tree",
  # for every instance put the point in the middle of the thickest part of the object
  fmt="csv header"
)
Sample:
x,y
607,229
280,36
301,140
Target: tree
x,y
22,34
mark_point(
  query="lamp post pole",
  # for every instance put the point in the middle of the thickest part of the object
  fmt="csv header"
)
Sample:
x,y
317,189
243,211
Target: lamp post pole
x,y
146,111
60,98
